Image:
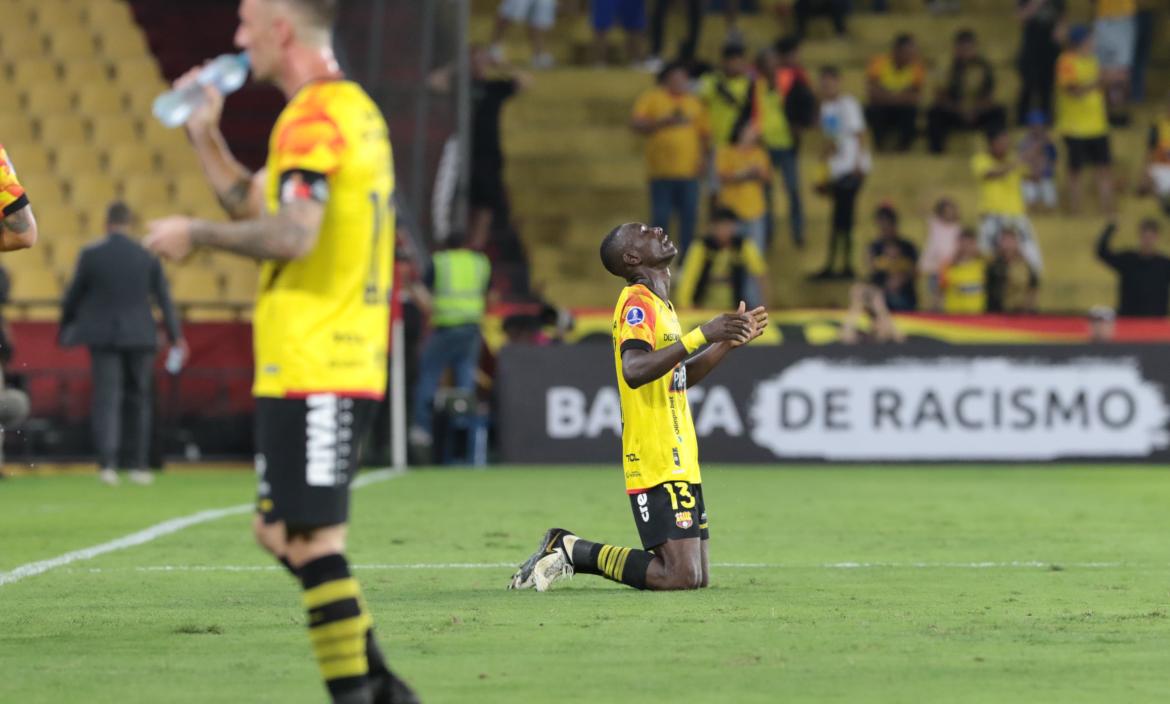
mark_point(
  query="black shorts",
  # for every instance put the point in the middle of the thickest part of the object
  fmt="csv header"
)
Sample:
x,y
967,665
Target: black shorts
x,y
1083,152
669,511
307,453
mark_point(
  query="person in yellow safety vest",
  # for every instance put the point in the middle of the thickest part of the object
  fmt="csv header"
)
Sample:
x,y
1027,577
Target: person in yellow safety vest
x,y
458,281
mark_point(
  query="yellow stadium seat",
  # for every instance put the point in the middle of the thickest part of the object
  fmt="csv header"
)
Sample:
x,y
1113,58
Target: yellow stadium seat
x,y
108,13
122,42
33,72
15,128
64,252
140,71
82,74
240,285
91,191
29,157
56,14
100,99
146,191
62,129
140,99
36,285
58,224
20,43
126,159
47,99
195,284
110,131
71,44
77,158
192,191
43,187
178,159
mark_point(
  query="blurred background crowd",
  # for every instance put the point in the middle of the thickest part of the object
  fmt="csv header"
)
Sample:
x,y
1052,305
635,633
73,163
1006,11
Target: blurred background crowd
x,y
873,158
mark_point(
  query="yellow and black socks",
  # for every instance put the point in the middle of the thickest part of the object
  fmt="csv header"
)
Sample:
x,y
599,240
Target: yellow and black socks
x,y
625,565
339,627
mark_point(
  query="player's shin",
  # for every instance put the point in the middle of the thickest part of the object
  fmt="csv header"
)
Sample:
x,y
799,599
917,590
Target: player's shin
x,y
626,565
339,627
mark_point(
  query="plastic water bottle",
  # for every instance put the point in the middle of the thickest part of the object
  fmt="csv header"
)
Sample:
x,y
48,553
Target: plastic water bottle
x,y
227,73
174,362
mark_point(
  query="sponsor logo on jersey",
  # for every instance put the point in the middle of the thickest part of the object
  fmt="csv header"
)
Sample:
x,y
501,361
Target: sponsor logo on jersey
x,y
683,519
643,508
324,450
635,315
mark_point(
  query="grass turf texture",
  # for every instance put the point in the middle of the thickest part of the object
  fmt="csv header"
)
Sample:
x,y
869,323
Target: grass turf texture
x,y
108,630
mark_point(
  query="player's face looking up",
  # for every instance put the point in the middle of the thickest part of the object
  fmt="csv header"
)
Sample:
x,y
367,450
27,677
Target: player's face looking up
x,y
650,245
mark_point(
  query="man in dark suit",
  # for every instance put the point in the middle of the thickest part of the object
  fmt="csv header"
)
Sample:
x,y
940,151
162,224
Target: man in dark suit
x,y
108,308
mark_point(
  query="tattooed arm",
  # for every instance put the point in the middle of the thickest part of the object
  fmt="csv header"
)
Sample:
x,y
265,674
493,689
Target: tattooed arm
x,y
239,191
18,230
289,234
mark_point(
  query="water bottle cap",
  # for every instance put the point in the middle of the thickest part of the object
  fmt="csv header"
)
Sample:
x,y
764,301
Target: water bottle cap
x,y
244,59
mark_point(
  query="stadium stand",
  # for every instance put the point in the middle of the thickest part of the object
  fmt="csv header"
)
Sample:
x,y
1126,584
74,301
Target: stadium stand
x,y
574,168
85,79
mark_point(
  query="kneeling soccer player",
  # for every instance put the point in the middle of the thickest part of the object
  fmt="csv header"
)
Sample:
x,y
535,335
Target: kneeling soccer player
x,y
656,364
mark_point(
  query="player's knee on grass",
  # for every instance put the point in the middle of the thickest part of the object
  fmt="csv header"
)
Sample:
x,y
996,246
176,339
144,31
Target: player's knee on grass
x,y
685,575
680,569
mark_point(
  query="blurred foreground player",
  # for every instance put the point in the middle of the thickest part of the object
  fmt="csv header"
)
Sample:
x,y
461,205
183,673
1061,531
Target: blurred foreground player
x,y
18,227
319,218
656,364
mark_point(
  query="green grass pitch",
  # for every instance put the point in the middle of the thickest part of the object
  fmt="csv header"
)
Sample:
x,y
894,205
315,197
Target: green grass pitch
x,y
1008,584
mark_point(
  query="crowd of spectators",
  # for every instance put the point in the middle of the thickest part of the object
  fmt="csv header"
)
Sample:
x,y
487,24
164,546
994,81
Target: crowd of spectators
x,y
725,138
732,133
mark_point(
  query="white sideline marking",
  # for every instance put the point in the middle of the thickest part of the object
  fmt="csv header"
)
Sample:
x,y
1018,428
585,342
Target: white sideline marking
x,y
157,531
1021,564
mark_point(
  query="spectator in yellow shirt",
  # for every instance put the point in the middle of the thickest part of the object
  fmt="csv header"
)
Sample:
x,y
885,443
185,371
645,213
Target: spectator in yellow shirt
x,y
1001,197
744,176
1081,118
893,89
678,134
964,281
724,92
723,268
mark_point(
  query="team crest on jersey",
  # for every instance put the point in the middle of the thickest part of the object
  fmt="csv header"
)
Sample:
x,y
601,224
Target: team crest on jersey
x,y
683,519
298,185
635,315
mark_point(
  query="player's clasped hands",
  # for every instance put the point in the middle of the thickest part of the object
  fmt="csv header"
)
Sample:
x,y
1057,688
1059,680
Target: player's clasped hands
x,y
738,328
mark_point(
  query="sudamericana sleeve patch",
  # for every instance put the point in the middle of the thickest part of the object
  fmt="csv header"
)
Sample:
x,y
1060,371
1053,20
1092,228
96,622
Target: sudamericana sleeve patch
x,y
635,315
299,185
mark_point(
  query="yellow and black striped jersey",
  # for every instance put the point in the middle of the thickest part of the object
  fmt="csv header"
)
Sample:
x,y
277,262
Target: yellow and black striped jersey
x,y
322,321
658,435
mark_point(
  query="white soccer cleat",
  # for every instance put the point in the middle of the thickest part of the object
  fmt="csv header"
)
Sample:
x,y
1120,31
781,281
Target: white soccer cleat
x,y
545,562
109,477
551,569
